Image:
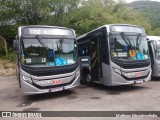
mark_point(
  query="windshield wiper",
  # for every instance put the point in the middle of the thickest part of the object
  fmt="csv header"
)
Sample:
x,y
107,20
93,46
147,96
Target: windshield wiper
x,y
139,36
127,41
59,44
41,42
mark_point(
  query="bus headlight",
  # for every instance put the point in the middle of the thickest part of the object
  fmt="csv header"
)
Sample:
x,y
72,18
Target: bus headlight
x,y
27,79
117,71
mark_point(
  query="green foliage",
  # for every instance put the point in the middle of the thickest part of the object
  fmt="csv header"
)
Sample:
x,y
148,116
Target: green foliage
x,y
10,57
87,18
81,15
2,52
9,32
151,9
26,12
95,13
156,31
127,15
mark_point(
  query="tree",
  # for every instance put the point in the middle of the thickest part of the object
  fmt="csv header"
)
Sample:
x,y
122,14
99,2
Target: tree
x,y
81,15
5,44
127,15
21,12
24,11
94,13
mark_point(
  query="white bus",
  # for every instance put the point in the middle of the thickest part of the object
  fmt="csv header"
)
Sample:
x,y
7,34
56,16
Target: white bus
x,y
114,54
154,50
46,59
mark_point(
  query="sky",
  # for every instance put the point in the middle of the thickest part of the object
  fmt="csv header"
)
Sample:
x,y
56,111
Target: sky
x,y
128,1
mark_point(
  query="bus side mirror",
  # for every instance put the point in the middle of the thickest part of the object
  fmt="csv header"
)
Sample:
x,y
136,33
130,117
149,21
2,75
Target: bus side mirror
x,y
15,46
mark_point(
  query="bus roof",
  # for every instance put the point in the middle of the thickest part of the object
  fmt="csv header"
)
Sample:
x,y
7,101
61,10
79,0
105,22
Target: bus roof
x,y
107,26
153,38
45,26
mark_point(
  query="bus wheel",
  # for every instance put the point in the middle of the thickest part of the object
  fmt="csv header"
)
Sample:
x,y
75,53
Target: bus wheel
x,y
87,79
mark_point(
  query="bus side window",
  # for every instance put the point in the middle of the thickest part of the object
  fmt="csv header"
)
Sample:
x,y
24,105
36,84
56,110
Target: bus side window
x,y
83,49
104,46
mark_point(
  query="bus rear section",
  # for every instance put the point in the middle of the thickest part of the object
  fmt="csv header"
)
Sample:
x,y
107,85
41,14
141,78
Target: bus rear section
x,y
154,50
46,59
114,54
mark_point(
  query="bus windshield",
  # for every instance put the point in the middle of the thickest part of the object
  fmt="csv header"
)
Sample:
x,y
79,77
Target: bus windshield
x,y
129,47
48,52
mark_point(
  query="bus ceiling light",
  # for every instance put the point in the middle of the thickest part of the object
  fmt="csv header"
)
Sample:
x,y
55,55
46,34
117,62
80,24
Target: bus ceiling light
x,y
27,79
117,71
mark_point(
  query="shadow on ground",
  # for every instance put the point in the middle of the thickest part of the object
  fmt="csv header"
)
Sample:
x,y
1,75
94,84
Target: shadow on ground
x,y
113,90
46,96
30,99
156,79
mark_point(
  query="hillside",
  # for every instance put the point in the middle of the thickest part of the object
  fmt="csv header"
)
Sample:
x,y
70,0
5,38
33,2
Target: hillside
x,y
150,9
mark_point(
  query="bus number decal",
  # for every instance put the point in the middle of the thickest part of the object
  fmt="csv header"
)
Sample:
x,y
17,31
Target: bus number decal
x,y
138,74
56,82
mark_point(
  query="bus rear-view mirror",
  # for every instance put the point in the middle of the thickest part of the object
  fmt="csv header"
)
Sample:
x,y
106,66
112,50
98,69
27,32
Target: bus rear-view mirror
x,y
15,46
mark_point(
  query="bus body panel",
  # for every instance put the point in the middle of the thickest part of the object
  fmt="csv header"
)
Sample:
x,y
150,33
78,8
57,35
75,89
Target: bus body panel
x,y
130,74
30,89
156,68
106,70
111,78
152,41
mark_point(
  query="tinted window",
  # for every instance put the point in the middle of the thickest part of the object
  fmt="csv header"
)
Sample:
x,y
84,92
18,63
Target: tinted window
x,y
150,50
83,49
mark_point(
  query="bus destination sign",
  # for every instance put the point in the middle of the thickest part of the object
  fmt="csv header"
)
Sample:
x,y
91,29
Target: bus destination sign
x,y
47,31
127,28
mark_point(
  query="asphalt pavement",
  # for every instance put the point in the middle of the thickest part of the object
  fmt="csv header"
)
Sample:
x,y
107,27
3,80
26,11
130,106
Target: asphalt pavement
x,y
96,97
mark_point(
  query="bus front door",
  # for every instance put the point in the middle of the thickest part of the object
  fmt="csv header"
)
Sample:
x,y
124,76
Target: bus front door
x,y
95,59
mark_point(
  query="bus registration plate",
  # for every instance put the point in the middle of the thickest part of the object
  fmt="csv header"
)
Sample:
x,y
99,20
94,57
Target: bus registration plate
x,y
138,74
56,89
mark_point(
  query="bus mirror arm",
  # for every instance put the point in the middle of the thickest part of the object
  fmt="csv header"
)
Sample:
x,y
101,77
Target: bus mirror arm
x,y
15,46
17,51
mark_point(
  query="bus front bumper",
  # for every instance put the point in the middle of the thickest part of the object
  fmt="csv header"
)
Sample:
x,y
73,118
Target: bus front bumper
x,y
29,89
119,80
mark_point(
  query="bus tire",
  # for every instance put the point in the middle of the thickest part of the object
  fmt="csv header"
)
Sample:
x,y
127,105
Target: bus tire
x,y
87,79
